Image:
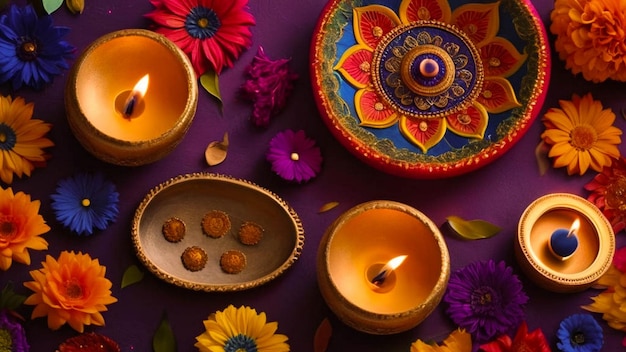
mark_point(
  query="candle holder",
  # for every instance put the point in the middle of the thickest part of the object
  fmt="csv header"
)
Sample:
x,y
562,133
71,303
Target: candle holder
x,y
550,215
103,78
354,250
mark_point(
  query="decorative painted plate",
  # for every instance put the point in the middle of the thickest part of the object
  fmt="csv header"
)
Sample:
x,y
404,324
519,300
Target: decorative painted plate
x,y
187,200
429,88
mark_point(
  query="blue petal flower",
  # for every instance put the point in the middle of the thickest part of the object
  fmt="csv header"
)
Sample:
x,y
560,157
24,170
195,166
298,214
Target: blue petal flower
x,y
85,201
31,49
580,333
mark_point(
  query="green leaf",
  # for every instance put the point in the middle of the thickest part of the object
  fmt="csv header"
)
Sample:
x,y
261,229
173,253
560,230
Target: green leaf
x,y
51,5
132,275
210,82
472,229
9,299
164,339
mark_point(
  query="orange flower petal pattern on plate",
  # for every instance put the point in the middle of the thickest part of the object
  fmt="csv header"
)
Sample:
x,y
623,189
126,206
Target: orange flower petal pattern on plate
x,y
497,95
372,111
354,65
470,122
480,22
501,58
425,133
372,22
424,10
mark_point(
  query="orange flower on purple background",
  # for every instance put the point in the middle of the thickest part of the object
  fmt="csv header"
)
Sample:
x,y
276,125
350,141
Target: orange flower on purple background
x,y
21,227
71,289
212,33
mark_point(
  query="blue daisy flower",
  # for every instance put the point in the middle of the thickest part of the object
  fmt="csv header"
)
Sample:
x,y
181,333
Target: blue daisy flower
x,y
31,49
580,333
85,201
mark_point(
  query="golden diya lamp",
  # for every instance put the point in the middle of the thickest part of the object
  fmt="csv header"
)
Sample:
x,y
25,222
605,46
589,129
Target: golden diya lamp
x,y
564,242
382,267
131,97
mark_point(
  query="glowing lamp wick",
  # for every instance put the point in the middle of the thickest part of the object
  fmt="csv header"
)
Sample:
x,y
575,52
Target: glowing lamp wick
x,y
563,243
386,270
136,95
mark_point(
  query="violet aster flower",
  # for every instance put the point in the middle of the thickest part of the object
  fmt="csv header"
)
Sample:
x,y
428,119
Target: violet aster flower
x,y
31,49
294,156
12,334
85,201
579,333
268,86
486,299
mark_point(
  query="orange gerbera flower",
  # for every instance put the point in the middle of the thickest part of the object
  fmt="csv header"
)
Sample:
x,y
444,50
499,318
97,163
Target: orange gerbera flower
x,y
591,37
581,135
20,227
70,290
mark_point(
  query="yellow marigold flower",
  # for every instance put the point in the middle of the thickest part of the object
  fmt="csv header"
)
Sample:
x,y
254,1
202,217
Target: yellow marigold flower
x,y
70,290
581,135
240,329
612,301
21,227
591,37
21,139
458,341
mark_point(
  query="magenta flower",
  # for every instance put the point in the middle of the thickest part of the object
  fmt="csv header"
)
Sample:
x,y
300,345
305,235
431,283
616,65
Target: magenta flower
x,y
212,33
486,299
268,86
294,156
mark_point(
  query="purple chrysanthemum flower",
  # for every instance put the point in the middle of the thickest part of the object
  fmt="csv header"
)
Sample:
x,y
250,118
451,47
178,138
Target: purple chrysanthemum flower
x,y
268,86
580,333
85,201
12,334
31,49
486,299
294,156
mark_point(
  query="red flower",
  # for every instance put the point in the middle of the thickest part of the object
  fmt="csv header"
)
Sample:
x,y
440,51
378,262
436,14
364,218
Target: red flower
x,y
89,342
524,341
212,33
608,190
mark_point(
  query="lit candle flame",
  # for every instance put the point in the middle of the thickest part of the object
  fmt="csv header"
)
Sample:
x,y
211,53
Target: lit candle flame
x,y
574,228
391,265
138,92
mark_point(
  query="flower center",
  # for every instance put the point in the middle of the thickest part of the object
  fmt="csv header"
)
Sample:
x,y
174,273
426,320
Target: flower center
x,y
202,23
484,300
27,50
8,139
6,340
85,202
583,137
8,230
578,338
294,156
73,290
240,343
616,194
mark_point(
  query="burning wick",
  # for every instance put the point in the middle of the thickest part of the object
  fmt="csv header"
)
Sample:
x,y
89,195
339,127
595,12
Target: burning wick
x,y
136,95
563,243
386,270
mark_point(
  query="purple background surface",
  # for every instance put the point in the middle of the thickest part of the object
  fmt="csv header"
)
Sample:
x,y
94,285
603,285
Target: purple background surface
x,y
498,193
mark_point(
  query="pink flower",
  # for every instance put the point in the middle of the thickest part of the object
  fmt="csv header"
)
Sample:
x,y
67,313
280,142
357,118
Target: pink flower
x,y
212,33
294,156
268,86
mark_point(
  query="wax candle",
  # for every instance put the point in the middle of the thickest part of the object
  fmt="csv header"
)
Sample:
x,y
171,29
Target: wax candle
x,y
101,92
366,289
555,261
564,242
